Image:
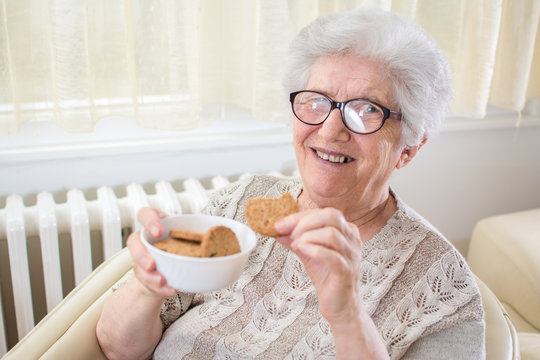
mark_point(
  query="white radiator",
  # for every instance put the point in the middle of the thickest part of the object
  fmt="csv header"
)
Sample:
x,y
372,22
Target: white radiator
x,y
81,219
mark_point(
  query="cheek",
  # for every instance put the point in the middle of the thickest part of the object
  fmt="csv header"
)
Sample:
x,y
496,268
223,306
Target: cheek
x,y
390,145
390,136
379,150
300,133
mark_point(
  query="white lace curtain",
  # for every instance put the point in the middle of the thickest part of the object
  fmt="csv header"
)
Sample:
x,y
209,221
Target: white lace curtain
x,y
76,61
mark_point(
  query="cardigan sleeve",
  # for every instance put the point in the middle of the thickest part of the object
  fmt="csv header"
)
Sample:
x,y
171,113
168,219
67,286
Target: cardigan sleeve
x,y
464,341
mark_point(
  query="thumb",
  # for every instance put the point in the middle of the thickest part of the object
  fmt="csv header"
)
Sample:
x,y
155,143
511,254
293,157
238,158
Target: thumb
x,y
286,225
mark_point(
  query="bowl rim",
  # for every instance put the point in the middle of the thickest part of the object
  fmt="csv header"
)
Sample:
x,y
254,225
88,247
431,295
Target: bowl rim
x,y
151,248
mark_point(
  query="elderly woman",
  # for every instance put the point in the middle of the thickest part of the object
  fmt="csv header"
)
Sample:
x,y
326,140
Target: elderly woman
x,y
357,273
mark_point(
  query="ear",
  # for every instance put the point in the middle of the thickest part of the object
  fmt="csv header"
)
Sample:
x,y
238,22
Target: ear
x,y
408,153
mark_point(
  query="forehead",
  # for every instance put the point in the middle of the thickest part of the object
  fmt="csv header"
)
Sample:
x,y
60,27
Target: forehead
x,y
347,76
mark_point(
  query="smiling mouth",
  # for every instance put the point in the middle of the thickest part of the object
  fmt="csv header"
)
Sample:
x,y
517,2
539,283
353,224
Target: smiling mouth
x,y
338,159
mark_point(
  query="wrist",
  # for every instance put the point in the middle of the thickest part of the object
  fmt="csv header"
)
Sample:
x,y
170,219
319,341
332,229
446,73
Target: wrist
x,y
351,310
350,322
358,335
145,293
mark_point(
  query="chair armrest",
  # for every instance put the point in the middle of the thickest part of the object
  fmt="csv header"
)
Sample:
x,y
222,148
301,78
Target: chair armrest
x,y
70,328
501,336
504,253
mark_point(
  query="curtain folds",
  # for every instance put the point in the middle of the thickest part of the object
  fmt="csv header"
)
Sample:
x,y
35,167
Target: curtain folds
x,y
161,61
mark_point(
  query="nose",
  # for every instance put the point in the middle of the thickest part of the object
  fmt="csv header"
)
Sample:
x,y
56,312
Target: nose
x,y
333,128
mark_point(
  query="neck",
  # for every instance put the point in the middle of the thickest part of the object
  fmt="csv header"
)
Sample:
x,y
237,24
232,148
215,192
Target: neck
x,y
369,216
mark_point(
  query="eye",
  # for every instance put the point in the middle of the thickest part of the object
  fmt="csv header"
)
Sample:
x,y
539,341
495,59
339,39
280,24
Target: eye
x,y
370,108
319,105
364,108
313,98
312,102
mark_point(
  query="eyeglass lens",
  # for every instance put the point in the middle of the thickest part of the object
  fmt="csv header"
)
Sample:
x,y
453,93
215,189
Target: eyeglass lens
x,y
359,115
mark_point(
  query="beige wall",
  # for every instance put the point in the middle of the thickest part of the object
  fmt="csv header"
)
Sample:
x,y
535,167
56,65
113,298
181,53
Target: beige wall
x,y
463,176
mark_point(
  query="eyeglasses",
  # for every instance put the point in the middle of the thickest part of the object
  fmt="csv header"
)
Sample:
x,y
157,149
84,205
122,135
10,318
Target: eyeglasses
x,y
360,116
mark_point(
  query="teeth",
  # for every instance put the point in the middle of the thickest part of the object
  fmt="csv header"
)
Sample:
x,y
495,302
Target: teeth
x,y
332,158
322,155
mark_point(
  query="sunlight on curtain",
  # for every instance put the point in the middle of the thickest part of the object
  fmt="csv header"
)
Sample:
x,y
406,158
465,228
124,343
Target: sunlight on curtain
x,y
467,33
161,61
79,61
516,48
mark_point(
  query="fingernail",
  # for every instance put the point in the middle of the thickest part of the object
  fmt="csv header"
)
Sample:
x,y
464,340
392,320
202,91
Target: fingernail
x,y
280,224
154,230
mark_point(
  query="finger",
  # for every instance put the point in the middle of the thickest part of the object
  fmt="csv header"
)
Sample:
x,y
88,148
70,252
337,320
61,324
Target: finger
x,y
351,231
328,238
331,219
286,224
323,257
312,252
319,218
285,241
150,219
140,255
153,281
144,267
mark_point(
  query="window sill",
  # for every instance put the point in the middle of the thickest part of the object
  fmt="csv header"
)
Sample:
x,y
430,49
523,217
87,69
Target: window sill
x,y
490,122
41,140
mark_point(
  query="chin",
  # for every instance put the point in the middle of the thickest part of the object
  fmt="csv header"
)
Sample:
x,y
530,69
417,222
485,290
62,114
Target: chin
x,y
323,187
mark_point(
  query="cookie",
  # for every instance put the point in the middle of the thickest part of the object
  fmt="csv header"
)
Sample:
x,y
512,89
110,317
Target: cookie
x,y
179,247
219,241
262,213
186,235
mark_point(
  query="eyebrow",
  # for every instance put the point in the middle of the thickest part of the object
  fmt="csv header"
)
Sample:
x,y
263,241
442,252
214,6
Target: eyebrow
x,y
369,97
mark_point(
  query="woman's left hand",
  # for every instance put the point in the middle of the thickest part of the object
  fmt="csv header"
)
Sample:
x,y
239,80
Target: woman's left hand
x,y
330,248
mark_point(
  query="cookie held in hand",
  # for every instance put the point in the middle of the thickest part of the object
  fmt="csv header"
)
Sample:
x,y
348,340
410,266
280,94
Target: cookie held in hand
x,y
262,213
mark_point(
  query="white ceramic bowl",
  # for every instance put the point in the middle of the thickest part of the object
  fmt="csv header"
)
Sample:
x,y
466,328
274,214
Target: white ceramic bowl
x,y
194,274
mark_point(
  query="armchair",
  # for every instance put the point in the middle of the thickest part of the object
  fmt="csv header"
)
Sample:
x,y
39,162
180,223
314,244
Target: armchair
x,y
69,330
505,253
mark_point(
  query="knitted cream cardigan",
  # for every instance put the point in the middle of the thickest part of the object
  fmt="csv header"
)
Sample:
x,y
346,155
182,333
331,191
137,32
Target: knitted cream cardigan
x,y
414,283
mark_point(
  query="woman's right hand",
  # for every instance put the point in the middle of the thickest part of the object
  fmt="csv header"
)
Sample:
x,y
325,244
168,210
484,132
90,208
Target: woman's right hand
x,y
130,326
144,265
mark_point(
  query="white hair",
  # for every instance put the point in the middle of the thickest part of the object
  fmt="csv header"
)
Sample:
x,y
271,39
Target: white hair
x,y
416,67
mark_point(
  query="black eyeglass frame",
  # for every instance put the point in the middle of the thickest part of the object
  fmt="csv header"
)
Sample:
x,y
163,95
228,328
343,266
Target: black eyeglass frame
x,y
387,113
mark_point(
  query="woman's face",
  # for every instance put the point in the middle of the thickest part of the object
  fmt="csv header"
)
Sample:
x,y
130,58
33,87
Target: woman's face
x,y
371,158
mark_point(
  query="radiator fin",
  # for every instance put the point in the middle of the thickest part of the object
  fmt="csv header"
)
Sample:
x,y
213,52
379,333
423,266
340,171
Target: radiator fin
x,y
80,235
111,225
168,200
198,198
137,199
50,252
18,256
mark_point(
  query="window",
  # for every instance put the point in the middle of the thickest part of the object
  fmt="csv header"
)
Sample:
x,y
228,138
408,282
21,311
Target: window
x,y
164,63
